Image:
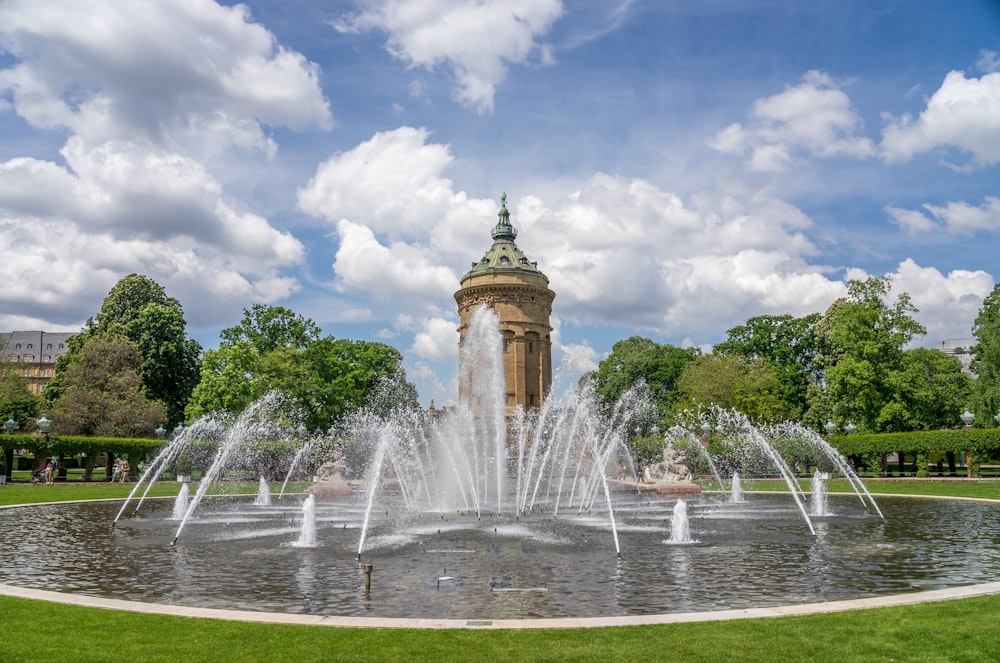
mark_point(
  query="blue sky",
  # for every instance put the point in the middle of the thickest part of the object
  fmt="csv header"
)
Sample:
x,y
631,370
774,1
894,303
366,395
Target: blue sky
x,y
674,167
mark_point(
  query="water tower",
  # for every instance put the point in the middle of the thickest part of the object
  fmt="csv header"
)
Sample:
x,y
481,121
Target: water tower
x,y
518,293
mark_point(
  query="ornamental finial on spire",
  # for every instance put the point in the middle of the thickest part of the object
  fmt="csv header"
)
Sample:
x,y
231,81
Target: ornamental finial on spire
x,y
503,229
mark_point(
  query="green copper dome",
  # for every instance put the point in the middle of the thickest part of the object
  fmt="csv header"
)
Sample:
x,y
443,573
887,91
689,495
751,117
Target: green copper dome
x,y
504,254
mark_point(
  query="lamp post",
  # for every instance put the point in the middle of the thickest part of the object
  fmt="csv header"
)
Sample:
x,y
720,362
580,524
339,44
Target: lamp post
x,y
43,424
8,452
967,419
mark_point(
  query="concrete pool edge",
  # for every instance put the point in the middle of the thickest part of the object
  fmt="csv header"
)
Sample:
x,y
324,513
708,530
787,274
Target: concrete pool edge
x,y
914,598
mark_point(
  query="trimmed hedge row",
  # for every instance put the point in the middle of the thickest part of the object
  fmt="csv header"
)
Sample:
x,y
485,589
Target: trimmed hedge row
x,y
981,441
73,445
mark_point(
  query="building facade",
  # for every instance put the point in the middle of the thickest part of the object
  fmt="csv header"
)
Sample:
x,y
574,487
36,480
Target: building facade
x,y
518,293
33,354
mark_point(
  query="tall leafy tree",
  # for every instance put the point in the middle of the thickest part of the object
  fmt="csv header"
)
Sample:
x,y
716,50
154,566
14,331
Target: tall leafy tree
x,y
986,359
103,393
638,358
138,309
275,348
929,391
16,399
860,340
732,381
788,344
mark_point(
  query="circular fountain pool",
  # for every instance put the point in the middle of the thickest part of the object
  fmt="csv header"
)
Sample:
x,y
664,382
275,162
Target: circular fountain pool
x,y
760,553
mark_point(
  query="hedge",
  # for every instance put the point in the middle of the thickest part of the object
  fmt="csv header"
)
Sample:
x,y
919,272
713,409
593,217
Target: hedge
x,y
982,441
73,445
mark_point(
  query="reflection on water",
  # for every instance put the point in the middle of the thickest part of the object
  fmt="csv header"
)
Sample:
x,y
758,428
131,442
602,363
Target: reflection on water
x,y
758,553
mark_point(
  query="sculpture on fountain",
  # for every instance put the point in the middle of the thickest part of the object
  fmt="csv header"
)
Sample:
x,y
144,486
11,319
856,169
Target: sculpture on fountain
x,y
671,476
330,480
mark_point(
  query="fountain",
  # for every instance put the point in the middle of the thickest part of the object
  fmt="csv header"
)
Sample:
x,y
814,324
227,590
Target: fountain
x,y
818,503
181,503
307,535
736,490
263,493
473,515
680,529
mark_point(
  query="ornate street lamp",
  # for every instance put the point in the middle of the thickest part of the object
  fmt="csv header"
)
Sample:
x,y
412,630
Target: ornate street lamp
x,y
43,427
967,419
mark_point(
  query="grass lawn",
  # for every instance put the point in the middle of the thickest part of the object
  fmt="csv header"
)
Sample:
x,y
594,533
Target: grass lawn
x,y
963,630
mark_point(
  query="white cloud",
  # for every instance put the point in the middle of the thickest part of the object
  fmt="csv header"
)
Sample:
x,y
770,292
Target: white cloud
x,y
957,217
947,303
391,180
398,272
177,71
151,95
436,340
813,118
475,39
988,62
963,113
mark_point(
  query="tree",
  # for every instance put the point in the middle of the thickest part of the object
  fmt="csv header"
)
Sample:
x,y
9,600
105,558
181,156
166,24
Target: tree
x,y
138,309
638,358
986,359
102,393
16,400
269,328
860,341
731,381
929,392
788,344
274,348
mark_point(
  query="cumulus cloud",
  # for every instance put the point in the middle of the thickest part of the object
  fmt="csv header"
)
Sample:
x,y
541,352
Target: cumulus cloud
x,y
475,39
150,96
813,118
154,70
964,113
947,303
956,217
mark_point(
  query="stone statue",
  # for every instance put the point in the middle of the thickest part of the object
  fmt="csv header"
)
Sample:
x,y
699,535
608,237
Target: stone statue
x,y
672,468
330,480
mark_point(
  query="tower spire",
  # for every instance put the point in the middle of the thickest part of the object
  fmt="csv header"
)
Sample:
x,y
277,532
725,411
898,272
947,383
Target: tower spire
x,y
503,229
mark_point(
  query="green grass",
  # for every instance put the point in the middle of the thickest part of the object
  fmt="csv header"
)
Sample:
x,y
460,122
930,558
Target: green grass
x,y
961,631
988,489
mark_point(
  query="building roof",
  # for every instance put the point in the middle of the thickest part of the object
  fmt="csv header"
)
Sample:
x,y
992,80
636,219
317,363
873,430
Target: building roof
x,y
33,346
504,255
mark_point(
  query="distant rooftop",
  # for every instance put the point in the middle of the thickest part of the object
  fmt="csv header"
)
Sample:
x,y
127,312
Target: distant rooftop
x,y
33,346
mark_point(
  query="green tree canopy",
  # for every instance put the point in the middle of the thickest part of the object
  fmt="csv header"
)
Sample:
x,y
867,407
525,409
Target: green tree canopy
x,y
274,348
929,391
731,381
638,358
16,399
860,341
138,309
788,344
102,393
986,359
